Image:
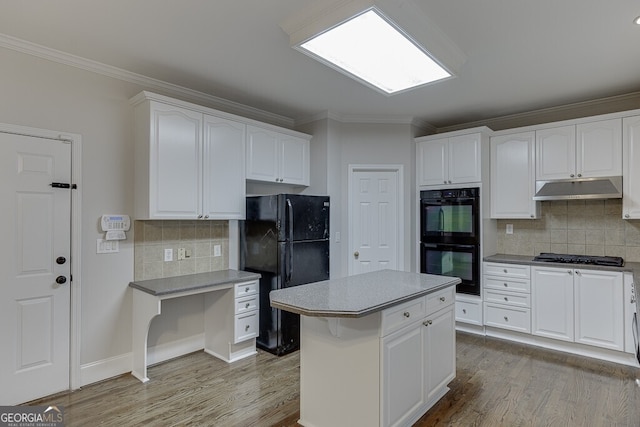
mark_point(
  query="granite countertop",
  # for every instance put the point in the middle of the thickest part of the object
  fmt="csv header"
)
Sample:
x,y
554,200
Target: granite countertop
x,y
359,295
633,267
191,282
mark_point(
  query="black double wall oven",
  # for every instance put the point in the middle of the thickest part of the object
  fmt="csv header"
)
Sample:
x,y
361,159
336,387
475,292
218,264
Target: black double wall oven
x,y
450,235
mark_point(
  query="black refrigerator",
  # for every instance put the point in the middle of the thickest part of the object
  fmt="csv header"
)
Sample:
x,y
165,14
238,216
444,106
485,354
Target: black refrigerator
x,y
285,238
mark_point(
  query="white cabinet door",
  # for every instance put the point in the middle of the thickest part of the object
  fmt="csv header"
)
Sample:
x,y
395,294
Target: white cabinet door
x,y
433,162
599,148
277,157
631,170
262,154
223,169
555,152
294,160
175,168
464,159
552,303
402,374
599,309
513,176
439,350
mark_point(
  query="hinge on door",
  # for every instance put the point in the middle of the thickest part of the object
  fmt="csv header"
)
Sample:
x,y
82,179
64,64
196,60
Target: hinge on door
x,y
63,185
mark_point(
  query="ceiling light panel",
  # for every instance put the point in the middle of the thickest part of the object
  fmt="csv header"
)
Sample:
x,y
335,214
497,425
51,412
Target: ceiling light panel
x,y
370,48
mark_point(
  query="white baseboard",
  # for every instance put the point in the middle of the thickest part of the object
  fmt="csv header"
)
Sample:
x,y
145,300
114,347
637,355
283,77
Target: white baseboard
x,y
114,366
173,349
107,368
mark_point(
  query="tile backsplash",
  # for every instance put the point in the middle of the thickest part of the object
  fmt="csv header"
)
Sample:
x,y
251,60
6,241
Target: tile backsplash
x,y
198,238
582,227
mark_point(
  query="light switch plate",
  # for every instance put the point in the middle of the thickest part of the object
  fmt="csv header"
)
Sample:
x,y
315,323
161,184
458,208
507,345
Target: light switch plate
x,y
168,254
107,246
217,250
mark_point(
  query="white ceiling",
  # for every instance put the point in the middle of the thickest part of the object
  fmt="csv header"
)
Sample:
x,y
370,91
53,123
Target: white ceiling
x,y
521,55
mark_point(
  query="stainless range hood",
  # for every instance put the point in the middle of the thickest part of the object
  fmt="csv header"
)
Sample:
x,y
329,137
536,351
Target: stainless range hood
x,y
584,188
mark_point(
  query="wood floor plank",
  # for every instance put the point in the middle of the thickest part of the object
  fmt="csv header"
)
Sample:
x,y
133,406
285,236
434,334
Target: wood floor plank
x,y
498,383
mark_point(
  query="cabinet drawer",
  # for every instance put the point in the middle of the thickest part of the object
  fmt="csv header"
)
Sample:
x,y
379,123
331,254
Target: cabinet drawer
x,y
246,326
514,318
508,298
246,304
246,289
440,299
469,312
511,270
396,317
507,284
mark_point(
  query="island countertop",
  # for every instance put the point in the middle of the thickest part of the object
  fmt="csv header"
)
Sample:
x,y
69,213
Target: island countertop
x,y
358,295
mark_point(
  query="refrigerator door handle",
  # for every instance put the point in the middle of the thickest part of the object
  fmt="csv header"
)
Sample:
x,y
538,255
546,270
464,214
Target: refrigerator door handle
x,y
289,270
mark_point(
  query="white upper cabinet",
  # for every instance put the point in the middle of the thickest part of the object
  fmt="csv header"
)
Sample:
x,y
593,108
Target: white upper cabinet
x,y
513,176
631,168
585,150
277,157
188,165
223,169
453,160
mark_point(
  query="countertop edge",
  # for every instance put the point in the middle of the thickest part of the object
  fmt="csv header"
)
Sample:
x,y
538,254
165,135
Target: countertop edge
x,y
366,312
206,280
629,267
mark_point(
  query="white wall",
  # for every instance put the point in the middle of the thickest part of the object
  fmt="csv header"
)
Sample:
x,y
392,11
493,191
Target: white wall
x,y
42,94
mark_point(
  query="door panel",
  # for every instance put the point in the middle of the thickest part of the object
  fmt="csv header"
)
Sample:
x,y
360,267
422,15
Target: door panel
x,y
374,213
34,308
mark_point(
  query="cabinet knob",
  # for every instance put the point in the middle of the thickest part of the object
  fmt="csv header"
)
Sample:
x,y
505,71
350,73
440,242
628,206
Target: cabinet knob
x,y
199,216
506,319
449,181
206,217
505,285
427,322
572,175
506,299
577,272
445,181
505,270
569,271
277,179
532,216
407,314
247,305
464,310
246,328
626,215
579,175
443,299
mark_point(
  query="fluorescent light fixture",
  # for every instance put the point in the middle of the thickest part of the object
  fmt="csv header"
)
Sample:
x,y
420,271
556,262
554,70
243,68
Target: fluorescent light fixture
x,y
372,49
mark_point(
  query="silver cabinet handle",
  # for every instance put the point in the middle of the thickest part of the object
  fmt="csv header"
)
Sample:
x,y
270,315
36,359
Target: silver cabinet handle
x,y
572,175
407,314
199,216
626,215
579,175
443,299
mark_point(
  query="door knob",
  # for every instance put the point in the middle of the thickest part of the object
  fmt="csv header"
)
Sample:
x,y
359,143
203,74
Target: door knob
x,y
61,260
356,254
61,280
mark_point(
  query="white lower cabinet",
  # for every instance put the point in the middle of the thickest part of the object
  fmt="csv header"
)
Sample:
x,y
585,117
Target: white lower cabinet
x,y
507,296
418,361
247,309
579,305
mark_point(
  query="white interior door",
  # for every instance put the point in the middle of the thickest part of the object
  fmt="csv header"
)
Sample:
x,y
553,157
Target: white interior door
x,y
375,219
34,267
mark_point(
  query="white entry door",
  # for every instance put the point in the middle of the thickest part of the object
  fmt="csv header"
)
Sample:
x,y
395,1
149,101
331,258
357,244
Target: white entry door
x,y
375,218
34,267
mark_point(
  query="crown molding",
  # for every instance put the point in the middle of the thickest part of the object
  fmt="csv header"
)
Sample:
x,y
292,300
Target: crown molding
x,y
64,58
609,104
367,119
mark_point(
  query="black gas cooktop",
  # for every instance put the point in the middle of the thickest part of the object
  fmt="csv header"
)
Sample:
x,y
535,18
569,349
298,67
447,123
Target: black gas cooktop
x,y
613,261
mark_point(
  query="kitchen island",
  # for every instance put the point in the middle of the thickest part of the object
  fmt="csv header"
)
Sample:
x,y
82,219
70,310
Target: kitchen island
x,y
376,349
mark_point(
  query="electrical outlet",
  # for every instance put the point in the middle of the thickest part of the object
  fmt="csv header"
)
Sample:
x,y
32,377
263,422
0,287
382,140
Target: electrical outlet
x,y
168,254
509,229
182,253
217,250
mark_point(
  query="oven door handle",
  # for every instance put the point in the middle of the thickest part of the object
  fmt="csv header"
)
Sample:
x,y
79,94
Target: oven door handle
x,y
448,246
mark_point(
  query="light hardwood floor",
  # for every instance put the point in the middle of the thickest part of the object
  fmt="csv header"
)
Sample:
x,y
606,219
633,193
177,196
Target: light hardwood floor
x,y
498,383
